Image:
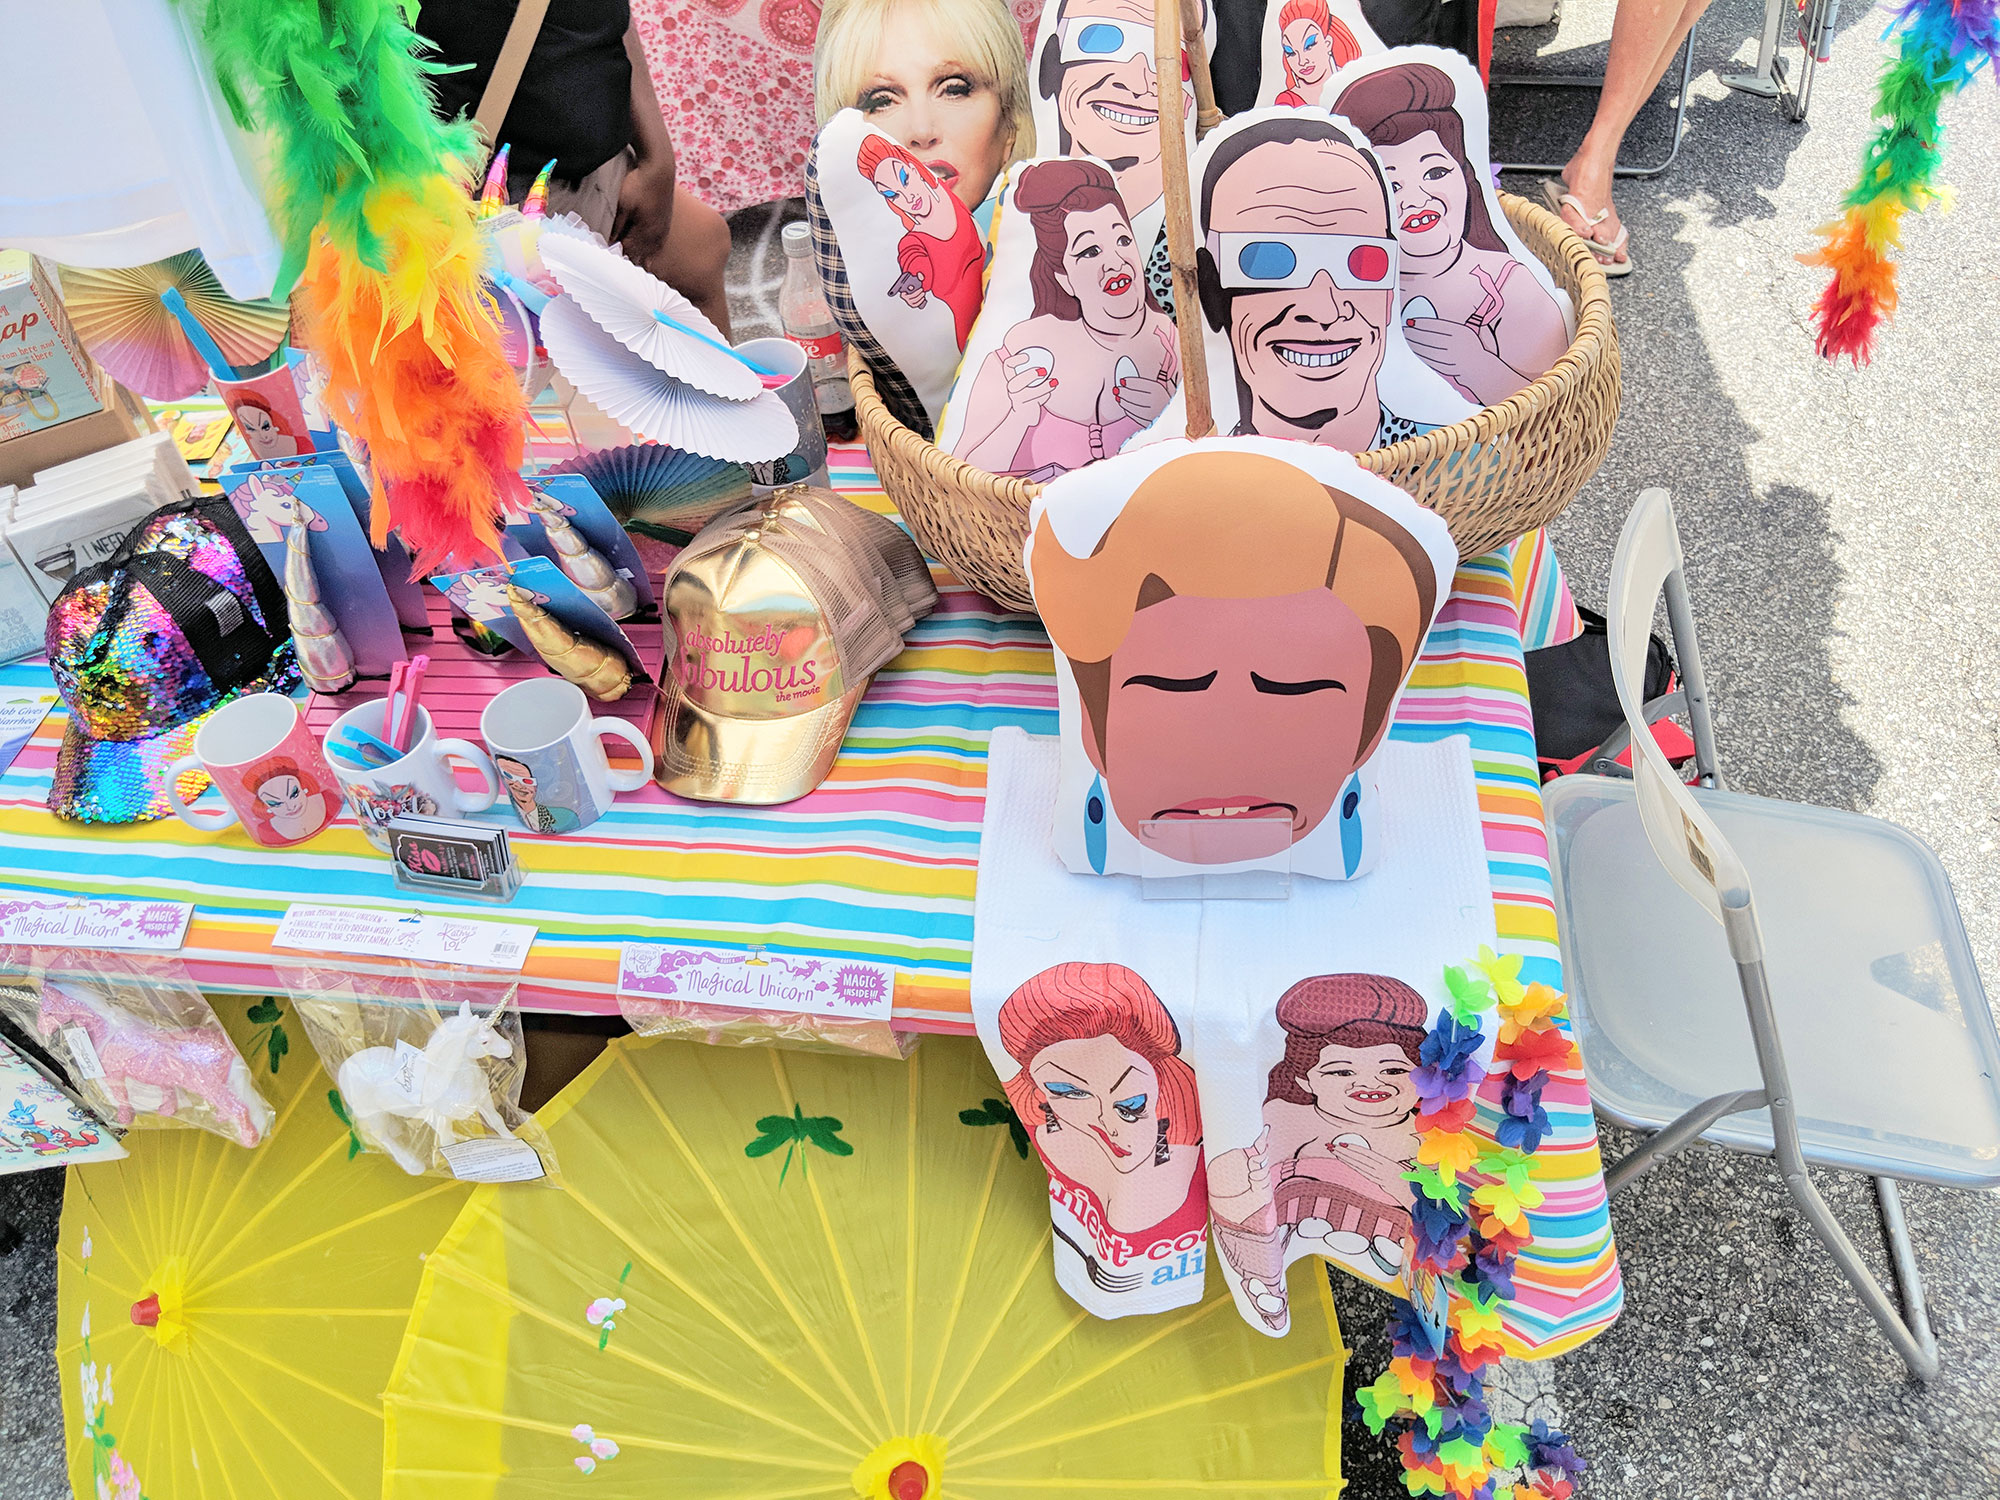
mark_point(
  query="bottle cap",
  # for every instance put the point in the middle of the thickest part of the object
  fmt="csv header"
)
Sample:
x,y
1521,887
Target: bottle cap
x,y
797,238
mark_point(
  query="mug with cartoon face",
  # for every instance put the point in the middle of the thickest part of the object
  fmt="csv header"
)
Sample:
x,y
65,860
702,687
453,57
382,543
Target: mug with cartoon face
x,y
269,769
419,782
549,752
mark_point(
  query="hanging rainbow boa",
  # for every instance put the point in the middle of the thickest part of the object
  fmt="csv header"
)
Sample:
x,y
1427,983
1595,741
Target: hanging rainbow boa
x,y
1944,44
378,231
1470,1221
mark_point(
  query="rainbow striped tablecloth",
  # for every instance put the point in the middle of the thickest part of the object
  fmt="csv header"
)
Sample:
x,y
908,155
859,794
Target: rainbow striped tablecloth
x,y
881,860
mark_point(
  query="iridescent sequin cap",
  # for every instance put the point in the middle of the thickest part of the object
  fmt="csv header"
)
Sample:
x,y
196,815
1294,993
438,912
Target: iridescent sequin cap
x,y
184,617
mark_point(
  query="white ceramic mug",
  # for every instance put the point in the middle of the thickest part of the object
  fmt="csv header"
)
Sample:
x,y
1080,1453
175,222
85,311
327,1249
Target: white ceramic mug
x,y
268,767
549,753
420,781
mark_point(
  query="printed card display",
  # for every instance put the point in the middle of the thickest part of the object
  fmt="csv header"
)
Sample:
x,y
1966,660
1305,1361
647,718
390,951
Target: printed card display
x,y
481,594
1095,95
1233,623
56,921
1071,355
348,569
1303,42
583,508
759,981
405,934
264,511
1296,263
21,714
903,249
1477,307
41,1125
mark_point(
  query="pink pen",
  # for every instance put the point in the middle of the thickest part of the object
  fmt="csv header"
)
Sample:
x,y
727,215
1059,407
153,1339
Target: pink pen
x,y
413,689
396,675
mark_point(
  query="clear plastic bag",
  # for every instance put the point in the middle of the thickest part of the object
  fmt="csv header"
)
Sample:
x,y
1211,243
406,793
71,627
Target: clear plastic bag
x,y
428,1064
688,995
139,1041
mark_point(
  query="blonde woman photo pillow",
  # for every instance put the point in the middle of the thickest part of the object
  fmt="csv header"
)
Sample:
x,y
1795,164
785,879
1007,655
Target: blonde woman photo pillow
x,y
947,79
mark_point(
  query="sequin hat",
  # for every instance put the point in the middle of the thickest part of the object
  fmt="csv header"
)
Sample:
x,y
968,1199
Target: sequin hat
x,y
185,616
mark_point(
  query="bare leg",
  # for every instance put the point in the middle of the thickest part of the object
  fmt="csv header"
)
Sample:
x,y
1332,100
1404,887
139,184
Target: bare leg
x,y
694,259
1645,36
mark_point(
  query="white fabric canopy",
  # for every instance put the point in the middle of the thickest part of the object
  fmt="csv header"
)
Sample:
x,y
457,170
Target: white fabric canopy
x,y
121,150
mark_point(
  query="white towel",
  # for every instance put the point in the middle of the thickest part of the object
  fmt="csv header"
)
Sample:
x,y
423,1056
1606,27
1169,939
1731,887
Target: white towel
x,y
1131,1174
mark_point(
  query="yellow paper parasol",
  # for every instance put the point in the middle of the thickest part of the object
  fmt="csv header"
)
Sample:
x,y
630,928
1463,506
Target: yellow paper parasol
x,y
782,1275
278,1281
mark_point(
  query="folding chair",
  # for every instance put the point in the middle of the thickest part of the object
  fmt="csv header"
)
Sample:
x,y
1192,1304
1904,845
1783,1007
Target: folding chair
x,y
1852,953
1596,81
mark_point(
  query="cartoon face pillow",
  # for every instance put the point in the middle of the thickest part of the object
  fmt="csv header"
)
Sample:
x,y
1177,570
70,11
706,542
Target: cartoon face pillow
x,y
1071,355
1225,673
1304,41
1477,307
1296,264
900,257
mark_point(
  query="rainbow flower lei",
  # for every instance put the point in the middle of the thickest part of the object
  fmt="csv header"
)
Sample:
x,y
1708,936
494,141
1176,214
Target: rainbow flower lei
x,y
1470,1218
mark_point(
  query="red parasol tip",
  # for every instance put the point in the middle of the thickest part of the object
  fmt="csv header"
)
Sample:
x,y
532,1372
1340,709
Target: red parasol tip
x,y
146,1311
908,1480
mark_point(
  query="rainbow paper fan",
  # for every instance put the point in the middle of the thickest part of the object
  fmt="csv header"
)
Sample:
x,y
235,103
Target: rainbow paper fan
x,y
129,330
661,492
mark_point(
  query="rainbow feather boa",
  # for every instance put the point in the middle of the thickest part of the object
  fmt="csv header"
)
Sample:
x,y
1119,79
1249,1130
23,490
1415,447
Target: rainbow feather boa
x,y
1943,45
378,231
1469,1218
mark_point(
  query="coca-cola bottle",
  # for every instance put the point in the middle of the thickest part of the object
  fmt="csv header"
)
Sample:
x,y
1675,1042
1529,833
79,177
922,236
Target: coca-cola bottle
x,y
803,311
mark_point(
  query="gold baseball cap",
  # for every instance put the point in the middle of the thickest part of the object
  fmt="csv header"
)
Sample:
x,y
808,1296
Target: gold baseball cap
x,y
778,628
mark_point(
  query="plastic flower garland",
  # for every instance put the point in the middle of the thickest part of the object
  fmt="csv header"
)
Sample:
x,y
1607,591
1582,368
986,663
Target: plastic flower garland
x,y
1944,44
377,221
1470,1221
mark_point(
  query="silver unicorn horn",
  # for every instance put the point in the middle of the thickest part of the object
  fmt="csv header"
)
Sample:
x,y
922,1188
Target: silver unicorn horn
x,y
325,659
584,565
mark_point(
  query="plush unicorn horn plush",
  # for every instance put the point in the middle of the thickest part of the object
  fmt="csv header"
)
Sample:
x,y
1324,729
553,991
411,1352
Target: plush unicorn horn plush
x,y
437,1089
200,1062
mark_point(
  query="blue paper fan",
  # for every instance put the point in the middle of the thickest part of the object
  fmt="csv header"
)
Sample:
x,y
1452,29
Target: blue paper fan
x,y
658,491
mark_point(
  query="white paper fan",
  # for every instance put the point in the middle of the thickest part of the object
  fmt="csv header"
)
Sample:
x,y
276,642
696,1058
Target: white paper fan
x,y
655,405
621,298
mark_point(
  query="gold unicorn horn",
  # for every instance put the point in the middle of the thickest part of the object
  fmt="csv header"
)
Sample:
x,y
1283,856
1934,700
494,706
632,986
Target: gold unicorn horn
x,y
585,566
598,670
325,659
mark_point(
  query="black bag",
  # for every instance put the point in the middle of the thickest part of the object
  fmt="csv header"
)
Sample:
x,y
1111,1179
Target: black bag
x,y
1574,700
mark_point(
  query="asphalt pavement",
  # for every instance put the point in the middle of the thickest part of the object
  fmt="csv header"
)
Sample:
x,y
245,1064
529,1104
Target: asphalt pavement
x,y
1837,530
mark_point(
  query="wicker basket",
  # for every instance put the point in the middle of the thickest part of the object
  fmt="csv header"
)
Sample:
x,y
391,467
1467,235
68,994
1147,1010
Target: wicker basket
x,y
1497,474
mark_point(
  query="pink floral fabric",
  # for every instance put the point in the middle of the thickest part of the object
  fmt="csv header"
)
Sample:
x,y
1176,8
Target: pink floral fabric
x,y
734,79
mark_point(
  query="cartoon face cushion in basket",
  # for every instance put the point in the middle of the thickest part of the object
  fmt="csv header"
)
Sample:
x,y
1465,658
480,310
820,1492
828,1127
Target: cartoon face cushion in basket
x,y
899,255
1304,41
1096,95
1296,265
1478,308
1234,620
1071,355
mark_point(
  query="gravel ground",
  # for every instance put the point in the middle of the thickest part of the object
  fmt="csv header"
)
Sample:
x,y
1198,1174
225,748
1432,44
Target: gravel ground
x,y
1834,524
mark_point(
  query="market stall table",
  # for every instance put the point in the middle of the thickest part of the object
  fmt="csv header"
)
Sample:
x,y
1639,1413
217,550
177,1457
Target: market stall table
x,y
879,863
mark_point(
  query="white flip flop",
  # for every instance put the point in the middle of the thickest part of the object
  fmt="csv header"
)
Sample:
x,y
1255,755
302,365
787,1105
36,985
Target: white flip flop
x,y
1556,194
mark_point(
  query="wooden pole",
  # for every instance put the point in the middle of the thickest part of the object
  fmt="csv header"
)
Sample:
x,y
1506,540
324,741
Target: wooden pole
x,y
1206,115
1167,40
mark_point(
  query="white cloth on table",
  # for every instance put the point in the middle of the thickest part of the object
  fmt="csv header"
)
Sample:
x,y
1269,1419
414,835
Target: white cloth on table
x,y
1219,969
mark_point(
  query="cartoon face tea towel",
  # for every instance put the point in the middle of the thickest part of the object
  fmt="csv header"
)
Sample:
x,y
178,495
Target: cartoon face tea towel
x,y
1239,1069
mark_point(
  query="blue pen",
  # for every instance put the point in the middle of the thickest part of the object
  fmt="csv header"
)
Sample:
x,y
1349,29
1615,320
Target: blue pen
x,y
360,739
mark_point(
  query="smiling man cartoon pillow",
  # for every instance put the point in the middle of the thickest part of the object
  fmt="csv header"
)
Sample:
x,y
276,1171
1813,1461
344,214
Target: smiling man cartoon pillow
x,y
1296,264
1234,621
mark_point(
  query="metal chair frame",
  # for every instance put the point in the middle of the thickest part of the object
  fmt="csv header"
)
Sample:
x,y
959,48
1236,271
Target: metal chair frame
x,y
1596,81
1909,1331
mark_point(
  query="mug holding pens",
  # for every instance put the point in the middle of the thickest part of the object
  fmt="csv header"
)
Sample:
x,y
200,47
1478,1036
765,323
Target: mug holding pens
x,y
391,763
